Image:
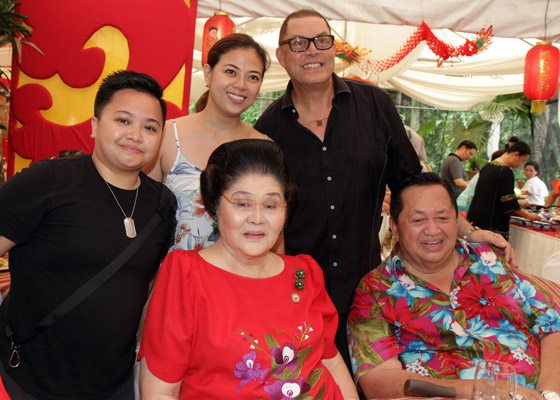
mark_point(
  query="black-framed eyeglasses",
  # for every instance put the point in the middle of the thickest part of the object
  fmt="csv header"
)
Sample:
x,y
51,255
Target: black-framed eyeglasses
x,y
300,43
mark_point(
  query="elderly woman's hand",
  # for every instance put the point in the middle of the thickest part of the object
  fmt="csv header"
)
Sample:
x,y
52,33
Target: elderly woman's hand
x,y
497,240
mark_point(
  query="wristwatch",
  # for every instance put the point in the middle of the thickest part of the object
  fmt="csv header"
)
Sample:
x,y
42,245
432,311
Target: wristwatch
x,y
471,229
550,395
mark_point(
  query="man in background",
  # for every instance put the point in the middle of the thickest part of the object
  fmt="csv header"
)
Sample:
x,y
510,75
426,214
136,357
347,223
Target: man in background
x,y
452,170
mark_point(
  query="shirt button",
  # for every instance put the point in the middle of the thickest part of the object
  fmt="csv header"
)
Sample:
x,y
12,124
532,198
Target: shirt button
x,y
329,178
332,206
335,264
293,110
324,148
333,236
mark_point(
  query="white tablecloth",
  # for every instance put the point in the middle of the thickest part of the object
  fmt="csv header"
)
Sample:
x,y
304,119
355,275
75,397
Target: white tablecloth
x,y
532,248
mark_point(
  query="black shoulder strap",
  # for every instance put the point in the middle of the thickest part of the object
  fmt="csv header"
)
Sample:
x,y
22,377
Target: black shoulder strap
x,y
96,281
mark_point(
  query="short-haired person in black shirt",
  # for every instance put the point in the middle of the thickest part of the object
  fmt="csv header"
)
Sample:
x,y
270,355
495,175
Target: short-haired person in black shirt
x,y
452,170
64,220
494,199
343,141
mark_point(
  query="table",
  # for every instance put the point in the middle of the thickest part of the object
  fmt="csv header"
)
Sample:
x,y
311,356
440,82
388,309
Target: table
x,y
532,247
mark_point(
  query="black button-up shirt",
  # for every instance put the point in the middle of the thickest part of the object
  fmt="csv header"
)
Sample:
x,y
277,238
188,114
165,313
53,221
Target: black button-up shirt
x,y
341,180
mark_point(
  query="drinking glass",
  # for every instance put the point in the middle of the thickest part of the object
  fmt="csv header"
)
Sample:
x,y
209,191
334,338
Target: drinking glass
x,y
494,380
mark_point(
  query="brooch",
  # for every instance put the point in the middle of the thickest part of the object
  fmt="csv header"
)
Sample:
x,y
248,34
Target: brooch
x,y
299,285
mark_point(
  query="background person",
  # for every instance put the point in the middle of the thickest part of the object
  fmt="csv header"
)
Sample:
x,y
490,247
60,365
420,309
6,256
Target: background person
x,y
343,140
437,305
452,170
534,188
234,73
62,220
235,319
465,198
494,199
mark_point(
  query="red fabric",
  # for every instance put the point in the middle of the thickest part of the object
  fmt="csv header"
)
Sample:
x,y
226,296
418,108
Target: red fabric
x,y
160,37
218,332
3,393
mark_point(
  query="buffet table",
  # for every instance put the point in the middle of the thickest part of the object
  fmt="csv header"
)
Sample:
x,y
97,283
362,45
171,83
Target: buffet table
x,y
532,247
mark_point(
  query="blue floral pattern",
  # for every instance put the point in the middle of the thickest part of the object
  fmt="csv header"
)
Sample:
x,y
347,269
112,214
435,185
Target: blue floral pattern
x,y
194,226
491,312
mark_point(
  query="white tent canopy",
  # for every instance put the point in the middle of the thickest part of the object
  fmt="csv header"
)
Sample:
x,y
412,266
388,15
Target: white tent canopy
x,y
383,26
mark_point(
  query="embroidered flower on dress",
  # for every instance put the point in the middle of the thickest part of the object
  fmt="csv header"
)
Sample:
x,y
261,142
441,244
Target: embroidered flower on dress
x,y
284,357
248,370
286,390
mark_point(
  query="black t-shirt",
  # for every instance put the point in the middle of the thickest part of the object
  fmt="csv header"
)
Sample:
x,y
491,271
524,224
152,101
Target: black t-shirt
x,y
494,199
67,227
341,180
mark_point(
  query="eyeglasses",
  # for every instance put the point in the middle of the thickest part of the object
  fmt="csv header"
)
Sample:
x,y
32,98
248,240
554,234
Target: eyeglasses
x,y
270,206
299,43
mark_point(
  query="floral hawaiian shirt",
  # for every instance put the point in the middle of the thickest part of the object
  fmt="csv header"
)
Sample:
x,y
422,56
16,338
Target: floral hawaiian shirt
x,y
493,312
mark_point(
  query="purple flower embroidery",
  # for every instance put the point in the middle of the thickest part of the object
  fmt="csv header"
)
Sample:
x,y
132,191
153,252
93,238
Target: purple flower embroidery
x,y
248,370
285,390
284,357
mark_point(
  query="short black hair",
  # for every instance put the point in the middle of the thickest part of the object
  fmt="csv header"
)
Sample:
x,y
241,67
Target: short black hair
x,y
533,164
468,144
121,80
233,160
421,179
521,147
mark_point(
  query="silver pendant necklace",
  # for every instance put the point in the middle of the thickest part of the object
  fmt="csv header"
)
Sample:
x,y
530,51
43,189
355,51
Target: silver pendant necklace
x,y
129,227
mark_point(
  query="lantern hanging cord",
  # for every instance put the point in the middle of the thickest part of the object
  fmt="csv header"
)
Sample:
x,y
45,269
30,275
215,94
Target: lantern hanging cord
x,y
545,20
220,8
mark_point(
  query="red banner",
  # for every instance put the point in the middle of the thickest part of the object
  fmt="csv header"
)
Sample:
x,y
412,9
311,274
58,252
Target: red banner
x,y
80,42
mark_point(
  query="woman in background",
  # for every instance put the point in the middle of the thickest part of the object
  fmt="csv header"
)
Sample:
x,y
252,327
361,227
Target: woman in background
x,y
233,75
534,188
235,320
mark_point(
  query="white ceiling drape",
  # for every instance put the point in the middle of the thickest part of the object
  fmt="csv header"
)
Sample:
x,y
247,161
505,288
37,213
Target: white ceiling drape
x,y
383,26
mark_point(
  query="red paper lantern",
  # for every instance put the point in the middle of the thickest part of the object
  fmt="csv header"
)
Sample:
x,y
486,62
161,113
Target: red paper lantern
x,y
542,66
215,28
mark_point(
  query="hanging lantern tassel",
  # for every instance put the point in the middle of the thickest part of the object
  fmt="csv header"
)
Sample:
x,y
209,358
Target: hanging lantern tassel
x,y
215,28
542,66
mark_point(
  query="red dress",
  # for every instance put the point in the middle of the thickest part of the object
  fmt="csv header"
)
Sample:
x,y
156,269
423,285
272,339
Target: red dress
x,y
231,337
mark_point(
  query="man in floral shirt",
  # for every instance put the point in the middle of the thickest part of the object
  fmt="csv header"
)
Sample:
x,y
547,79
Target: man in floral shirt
x,y
437,305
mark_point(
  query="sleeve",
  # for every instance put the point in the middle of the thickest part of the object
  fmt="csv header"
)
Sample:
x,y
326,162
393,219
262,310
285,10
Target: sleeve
x,y
24,200
541,301
402,159
507,194
168,327
456,169
370,338
323,303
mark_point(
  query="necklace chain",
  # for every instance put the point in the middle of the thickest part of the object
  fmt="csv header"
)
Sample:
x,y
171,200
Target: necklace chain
x,y
318,121
119,204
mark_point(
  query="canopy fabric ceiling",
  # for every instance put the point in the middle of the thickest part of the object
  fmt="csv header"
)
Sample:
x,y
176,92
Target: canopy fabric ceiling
x,y
383,26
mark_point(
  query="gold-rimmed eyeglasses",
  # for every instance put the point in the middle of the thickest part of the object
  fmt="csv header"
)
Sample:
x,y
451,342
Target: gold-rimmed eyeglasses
x,y
271,205
300,43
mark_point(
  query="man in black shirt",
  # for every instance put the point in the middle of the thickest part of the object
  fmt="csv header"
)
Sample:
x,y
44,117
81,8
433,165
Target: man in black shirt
x,y
63,220
343,142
